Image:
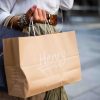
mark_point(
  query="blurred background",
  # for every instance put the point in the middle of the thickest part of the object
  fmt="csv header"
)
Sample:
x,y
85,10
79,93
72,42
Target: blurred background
x,y
84,18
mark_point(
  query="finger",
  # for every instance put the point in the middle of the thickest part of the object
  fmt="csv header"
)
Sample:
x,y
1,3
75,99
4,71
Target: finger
x,y
30,12
33,9
44,15
40,13
36,14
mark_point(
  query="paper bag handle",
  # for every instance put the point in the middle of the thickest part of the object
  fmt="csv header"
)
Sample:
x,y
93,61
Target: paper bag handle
x,y
47,23
31,26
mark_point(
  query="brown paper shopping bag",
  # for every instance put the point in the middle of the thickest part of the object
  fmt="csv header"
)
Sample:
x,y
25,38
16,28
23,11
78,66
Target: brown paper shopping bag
x,y
37,64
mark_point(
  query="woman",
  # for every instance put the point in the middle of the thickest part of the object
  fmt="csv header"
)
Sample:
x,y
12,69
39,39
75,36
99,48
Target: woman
x,y
17,14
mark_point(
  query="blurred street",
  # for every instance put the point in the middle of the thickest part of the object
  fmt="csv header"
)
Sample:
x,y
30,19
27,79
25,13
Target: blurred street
x,y
88,38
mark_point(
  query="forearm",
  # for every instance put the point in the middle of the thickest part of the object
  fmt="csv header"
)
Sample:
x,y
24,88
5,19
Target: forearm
x,y
13,22
18,22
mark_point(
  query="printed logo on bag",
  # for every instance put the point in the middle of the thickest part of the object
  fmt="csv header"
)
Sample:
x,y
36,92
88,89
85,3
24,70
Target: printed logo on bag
x,y
59,58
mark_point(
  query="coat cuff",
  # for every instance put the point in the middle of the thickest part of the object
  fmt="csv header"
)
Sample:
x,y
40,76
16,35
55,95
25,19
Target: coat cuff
x,y
3,17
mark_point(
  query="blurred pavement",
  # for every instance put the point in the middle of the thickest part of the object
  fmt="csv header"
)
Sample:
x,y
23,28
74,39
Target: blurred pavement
x,y
88,38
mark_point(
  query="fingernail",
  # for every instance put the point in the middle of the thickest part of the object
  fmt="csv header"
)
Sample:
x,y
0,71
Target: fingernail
x,y
34,7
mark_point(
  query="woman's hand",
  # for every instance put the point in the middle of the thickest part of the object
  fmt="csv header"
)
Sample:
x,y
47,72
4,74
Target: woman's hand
x,y
38,14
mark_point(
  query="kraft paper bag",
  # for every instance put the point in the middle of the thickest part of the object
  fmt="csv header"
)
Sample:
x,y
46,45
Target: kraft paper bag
x,y
37,64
